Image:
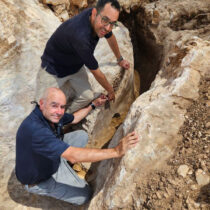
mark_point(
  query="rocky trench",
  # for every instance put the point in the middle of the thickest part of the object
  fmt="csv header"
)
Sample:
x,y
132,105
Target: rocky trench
x,y
182,181
170,188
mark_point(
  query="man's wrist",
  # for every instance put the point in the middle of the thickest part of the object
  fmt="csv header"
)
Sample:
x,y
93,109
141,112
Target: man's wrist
x,y
92,105
119,59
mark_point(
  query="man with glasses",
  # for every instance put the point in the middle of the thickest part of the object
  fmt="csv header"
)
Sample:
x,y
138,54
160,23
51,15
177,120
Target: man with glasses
x,y
71,48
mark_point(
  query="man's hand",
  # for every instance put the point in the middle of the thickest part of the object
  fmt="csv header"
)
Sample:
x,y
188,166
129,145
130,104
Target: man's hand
x,y
100,100
111,95
124,64
126,143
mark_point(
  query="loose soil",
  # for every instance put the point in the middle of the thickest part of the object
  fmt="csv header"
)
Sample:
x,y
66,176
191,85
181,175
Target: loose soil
x,y
167,189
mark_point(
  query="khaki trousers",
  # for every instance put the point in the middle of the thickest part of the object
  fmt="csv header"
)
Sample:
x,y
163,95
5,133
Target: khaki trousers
x,y
76,87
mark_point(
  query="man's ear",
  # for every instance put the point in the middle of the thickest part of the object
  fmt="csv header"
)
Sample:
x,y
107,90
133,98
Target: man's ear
x,y
94,12
41,103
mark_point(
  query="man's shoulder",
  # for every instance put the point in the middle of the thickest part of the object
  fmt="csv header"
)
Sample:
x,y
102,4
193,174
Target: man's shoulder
x,y
77,26
31,122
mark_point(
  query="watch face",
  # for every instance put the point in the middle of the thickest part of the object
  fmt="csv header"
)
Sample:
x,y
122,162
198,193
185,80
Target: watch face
x,y
93,106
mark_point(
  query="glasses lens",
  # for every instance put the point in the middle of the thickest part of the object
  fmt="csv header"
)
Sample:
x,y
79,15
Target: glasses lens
x,y
105,20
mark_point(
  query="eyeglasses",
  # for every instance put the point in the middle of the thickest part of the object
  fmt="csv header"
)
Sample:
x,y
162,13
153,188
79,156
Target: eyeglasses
x,y
106,21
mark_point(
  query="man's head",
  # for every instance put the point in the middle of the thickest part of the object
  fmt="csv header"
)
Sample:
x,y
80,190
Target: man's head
x,y
104,16
52,104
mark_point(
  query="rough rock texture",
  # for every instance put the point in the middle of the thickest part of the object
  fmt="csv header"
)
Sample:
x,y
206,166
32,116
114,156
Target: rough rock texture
x,y
170,118
139,180
22,43
122,81
66,8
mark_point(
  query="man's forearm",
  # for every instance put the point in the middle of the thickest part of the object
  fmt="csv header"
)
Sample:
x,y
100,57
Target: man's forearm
x,y
112,41
75,154
80,114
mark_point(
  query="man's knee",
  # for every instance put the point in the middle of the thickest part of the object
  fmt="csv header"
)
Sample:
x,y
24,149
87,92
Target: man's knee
x,y
77,138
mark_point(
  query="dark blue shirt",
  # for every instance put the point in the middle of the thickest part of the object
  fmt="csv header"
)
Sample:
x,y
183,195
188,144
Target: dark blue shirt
x,y
71,46
39,147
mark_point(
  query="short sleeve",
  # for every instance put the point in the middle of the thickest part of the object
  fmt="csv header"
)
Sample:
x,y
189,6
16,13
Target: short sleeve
x,y
67,118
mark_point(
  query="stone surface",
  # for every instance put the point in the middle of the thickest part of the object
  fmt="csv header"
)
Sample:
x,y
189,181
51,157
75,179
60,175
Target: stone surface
x,y
201,177
79,3
183,170
55,2
158,114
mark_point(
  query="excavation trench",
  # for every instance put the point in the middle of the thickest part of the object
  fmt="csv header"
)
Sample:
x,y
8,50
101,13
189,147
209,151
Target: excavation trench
x,y
147,61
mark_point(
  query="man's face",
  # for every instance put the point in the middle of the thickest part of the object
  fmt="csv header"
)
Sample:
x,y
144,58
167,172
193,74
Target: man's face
x,y
53,107
103,21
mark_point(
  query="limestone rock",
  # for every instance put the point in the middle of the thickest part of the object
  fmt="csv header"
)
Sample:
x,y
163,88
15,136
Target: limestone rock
x,y
55,2
158,114
183,170
79,3
201,177
61,12
25,28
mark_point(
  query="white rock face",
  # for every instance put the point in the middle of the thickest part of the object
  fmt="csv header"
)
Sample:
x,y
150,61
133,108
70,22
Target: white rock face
x,y
183,170
25,28
202,177
156,116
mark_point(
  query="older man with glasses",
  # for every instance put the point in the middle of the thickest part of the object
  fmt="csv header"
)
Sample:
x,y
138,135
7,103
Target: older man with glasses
x,y
71,48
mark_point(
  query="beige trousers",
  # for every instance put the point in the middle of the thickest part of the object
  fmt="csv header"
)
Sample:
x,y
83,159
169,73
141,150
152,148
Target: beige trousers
x,y
76,87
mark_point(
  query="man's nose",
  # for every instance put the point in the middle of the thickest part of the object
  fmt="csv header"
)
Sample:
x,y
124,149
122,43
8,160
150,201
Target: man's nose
x,y
108,27
60,111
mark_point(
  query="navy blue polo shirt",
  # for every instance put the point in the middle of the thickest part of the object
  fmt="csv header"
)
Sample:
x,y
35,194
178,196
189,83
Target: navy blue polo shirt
x,y
71,46
38,148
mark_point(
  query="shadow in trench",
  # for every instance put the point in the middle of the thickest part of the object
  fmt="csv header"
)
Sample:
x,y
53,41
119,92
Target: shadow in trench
x,y
147,53
204,196
19,195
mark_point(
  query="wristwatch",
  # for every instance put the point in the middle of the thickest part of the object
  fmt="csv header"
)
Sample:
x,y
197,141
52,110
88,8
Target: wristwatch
x,y
93,106
119,59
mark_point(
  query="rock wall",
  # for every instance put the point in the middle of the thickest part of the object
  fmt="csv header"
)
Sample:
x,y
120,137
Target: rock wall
x,y
179,30
182,29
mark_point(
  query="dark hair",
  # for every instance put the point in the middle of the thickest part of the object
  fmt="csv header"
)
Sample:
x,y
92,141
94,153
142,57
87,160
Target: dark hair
x,y
101,3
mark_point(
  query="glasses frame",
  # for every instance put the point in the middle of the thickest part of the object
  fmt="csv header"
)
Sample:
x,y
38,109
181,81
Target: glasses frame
x,y
106,23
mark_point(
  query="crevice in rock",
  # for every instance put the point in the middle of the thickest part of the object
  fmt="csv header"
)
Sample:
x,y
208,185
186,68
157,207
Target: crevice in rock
x,y
191,21
147,53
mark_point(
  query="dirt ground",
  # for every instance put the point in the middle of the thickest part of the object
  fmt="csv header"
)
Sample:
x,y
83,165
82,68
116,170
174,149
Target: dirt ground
x,y
168,189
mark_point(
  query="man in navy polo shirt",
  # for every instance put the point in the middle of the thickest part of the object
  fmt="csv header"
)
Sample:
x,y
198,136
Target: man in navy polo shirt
x,y
42,151
71,48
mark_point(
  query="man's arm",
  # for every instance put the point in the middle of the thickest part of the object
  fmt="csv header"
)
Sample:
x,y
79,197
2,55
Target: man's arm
x,y
82,113
76,154
114,46
100,77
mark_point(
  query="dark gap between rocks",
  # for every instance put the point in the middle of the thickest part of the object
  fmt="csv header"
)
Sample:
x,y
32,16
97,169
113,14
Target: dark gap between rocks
x,y
147,54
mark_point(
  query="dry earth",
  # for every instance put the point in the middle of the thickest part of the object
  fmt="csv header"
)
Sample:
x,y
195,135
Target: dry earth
x,y
167,189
